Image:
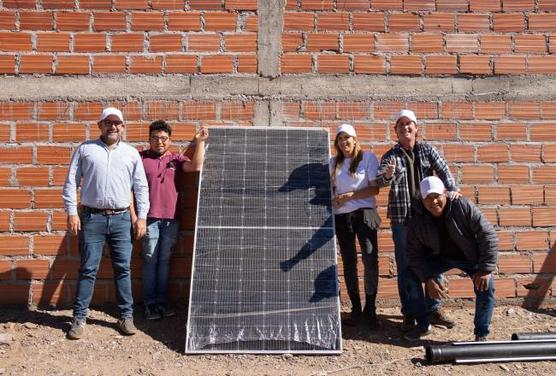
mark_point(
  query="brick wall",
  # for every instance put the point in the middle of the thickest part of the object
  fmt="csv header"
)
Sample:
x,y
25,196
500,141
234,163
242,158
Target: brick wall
x,y
356,61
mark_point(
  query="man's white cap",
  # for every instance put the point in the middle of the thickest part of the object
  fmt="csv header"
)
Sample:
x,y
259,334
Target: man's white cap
x,y
346,128
408,114
111,111
431,184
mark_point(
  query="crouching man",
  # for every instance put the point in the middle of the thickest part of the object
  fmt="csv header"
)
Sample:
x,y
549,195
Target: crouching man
x,y
442,235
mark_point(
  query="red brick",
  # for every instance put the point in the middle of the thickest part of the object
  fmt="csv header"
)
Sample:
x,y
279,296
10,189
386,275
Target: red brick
x,y
550,195
369,64
515,216
18,154
505,288
392,42
241,42
496,195
109,21
7,20
517,5
548,109
440,22
509,22
322,42
462,43
217,64
457,110
419,5
333,63
184,21
146,64
14,245
352,4
53,111
527,194
7,64
459,152
247,64
35,20
49,245
544,263
441,64
31,132
30,221
181,64
87,111
542,22
35,64
526,153
199,110
5,177
543,132
547,5
453,5
220,21
31,269
543,216
109,64
131,4
58,4
16,42
368,22
294,63
48,198
424,110
496,44
403,22
298,21
358,43
53,154
509,64
319,110
147,21
51,42
51,293
241,4
205,4
406,65
439,131
511,131
165,43
490,110
237,110
508,264
477,174
332,21
251,23
513,174
475,132
542,64
370,133
473,22
14,293
72,65
475,64
95,4
427,42
549,153
89,42
68,132
493,153
353,110
32,176
531,240
505,240
387,110
524,110
203,42
16,110
530,43
317,4
72,21
161,110
129,42
5,269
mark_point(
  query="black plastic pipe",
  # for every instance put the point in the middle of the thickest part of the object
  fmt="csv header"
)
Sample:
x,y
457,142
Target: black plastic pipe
x,y
533,336
494,351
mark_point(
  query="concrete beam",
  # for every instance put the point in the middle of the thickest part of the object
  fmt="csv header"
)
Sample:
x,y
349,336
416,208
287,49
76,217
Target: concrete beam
x,y
269,36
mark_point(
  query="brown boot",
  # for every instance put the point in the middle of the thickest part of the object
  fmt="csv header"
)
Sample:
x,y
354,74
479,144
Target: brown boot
x,y
440,318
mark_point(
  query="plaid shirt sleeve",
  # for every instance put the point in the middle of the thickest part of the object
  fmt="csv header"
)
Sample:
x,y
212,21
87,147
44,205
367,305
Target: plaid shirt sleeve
x,y
438,165
399,202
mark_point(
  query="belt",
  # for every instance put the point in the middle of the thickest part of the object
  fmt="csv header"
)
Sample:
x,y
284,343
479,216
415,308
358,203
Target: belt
x,y
105,211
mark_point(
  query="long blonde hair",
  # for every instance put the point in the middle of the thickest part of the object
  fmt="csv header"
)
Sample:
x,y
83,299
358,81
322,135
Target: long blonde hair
x,y
339,160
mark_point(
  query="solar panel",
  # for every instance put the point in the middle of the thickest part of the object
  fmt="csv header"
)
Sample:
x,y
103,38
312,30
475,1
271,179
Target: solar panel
x,y
264,274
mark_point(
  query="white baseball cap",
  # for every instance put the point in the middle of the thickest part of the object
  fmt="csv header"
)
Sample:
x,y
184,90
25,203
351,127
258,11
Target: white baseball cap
x,y
408,114
111,111
431,184
346,128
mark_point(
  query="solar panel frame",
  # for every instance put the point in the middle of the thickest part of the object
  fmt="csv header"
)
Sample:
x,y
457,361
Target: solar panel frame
x,y
293,346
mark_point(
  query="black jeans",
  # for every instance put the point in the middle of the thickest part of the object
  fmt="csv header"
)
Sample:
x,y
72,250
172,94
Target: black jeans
x,y
363,225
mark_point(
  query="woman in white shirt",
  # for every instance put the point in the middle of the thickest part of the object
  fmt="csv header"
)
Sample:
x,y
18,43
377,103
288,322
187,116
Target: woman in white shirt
x,y
352,173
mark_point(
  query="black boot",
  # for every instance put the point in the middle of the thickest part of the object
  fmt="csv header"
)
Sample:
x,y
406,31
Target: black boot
x,y
369,312
355,315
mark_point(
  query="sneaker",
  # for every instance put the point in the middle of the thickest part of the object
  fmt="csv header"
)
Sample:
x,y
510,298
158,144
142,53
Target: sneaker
x,y
408,323
152,312
479,338
77,329
439,318
417,333
126,326
164,311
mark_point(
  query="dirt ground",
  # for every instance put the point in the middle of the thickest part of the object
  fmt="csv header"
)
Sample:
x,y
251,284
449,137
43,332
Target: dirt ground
x,y
37,346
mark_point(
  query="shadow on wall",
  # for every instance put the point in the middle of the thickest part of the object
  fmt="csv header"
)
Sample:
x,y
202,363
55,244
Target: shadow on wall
x,y
539,289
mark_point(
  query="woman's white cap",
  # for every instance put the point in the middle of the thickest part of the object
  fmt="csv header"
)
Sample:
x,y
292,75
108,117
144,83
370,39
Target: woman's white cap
x,y
408,114
111,111
346,128
431,184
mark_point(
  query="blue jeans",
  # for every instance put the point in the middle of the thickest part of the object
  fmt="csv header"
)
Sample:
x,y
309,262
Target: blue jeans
x,y
399,235
484,304
158,242
96,230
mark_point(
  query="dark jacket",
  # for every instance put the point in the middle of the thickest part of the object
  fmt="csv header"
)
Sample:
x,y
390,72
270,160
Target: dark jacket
x,y
468,228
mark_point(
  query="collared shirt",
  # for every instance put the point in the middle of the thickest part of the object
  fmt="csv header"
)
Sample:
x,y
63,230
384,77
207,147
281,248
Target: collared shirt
x,y
107,177
429,163
162,172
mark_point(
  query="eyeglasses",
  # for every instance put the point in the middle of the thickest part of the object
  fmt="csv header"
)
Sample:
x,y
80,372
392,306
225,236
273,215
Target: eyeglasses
x,y
159,139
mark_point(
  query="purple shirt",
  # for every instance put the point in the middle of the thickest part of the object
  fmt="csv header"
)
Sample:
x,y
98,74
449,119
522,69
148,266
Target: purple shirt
x,y
162,174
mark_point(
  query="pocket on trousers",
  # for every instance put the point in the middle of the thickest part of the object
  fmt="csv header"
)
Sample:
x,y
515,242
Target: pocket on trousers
x,y
371,218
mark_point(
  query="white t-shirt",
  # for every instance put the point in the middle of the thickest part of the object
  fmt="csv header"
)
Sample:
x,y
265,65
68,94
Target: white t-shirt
x,y
364,174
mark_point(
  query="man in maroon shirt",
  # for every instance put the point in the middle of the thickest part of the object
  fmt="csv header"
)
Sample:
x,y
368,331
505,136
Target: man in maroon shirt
x,y
162,168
